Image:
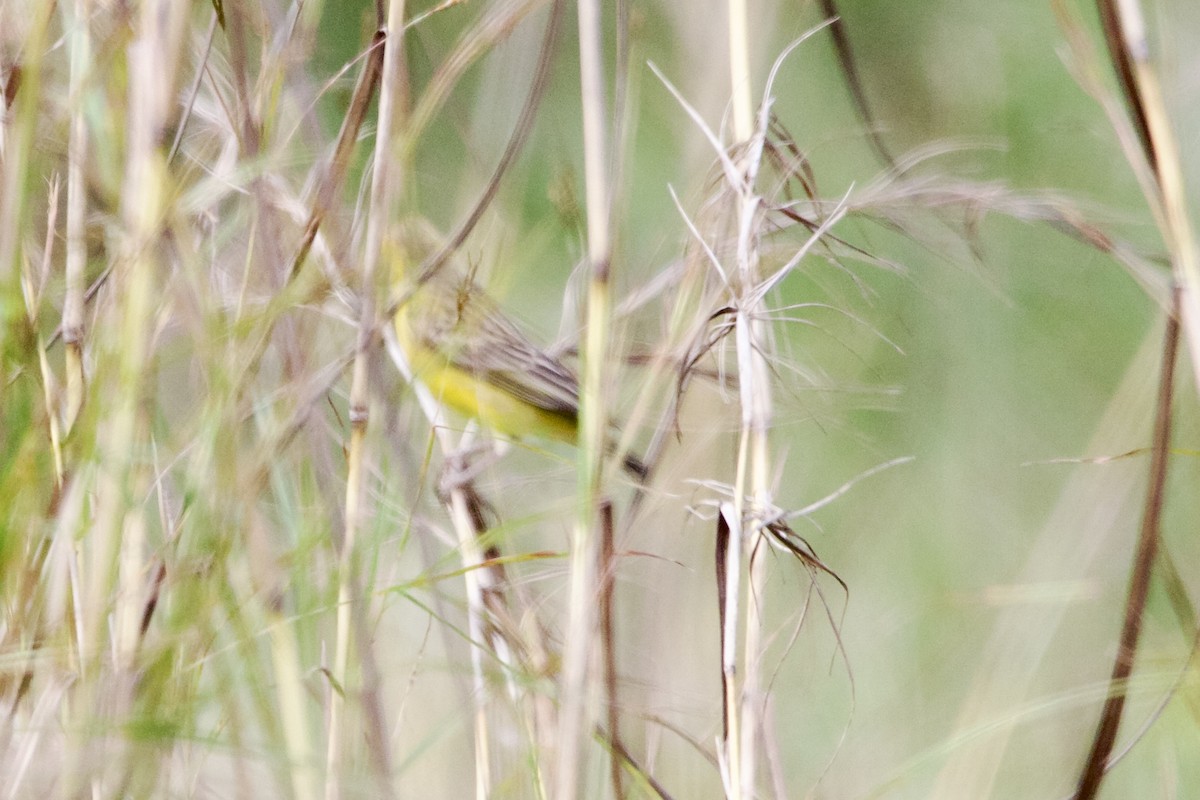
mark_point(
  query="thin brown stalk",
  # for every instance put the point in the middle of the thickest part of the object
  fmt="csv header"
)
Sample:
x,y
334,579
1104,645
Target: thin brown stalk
x,y
239,63
643,779
849,65
1123,63
1129,52
1139,581
516,143
190,104
498,22
331,182
721,560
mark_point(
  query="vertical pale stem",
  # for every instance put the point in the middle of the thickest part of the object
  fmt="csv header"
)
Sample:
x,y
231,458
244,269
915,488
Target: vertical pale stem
x,y
32,303
383,180
474,578
285,653
577,713
77,156
115,546
1179,236
739,71
477,580
752,490
152,63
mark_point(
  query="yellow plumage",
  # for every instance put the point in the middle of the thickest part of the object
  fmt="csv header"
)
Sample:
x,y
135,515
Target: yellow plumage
x,y
475,360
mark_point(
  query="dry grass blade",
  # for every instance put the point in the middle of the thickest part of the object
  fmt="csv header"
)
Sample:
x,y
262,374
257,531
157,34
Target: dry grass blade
x,y
728,569
625,761
1123,62
516,142
335,173
850,72
497,23
575,688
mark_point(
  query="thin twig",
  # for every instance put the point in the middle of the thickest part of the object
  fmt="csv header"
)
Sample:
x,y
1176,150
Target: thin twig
x,y
1139,581
849,65
332,181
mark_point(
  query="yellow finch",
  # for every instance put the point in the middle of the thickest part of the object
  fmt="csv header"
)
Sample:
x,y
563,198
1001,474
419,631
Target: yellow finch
x,y
475,360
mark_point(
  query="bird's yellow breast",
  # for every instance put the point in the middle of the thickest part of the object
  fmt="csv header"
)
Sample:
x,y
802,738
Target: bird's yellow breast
x,y
471,396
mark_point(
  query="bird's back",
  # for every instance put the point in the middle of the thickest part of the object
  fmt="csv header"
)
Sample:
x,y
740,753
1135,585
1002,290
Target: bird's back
x,y
480,363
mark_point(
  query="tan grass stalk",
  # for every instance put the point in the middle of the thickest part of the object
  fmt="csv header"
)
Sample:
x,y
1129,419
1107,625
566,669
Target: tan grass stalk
x,y
480,583
747,516
576,692
383,196
752,491
1178,235
33,286
293,702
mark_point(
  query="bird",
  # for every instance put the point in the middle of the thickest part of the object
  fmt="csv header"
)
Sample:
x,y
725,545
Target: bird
x,y
473,358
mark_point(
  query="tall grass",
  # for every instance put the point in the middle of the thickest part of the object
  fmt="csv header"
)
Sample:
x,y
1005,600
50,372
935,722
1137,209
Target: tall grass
x,y
895,419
